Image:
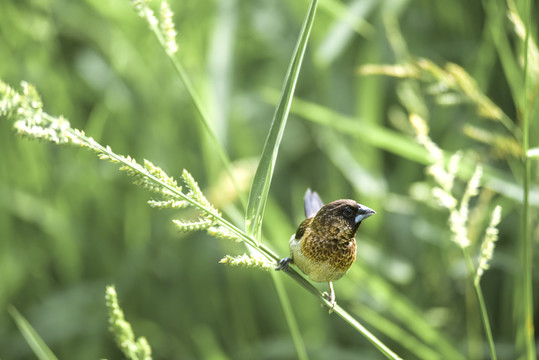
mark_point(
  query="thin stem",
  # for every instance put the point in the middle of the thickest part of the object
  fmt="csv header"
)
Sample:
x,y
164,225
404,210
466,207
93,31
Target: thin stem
x,y
526,240
343,314
200,109
290,318
484,317
481,301
373,339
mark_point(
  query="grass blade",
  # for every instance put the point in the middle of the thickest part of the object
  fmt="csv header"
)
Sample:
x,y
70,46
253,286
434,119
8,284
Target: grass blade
x,y
264,172
527,329
402,145
289,316
37,344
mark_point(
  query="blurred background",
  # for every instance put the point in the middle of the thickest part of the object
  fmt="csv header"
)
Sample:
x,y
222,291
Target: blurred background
x,y
71,224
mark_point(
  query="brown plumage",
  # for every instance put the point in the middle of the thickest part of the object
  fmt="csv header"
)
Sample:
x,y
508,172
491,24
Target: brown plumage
x,y
324,246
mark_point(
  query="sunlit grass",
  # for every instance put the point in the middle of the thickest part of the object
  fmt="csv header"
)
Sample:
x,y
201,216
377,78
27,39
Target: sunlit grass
x,y
469,71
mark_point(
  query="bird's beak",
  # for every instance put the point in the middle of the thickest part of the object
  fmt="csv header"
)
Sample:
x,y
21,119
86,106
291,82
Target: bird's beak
x,y
363,213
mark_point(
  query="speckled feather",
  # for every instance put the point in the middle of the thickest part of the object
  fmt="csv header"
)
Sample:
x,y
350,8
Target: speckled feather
x,y
324,246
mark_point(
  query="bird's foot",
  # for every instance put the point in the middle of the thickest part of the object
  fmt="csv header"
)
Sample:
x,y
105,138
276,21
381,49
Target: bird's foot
x,y
283,264
330,297
331,301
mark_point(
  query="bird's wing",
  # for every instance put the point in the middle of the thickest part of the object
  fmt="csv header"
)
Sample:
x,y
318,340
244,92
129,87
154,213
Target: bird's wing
x,y
313,203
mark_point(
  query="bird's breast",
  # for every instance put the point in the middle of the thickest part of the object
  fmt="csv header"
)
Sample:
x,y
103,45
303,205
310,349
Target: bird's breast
x,y
322,258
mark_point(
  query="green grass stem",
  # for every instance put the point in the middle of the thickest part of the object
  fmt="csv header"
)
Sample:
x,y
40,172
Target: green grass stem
x,y
40,349
481,302
527,326
203,116
401,310
264,173
343,314
297,338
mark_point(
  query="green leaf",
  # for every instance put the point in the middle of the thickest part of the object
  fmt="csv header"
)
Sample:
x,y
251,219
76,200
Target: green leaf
x,y
264,172
37,344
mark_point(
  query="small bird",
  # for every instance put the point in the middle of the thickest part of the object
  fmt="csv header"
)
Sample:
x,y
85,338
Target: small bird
x,y
324,246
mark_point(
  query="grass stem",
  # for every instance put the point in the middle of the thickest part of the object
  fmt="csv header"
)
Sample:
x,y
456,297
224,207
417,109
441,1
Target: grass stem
x,y
527,325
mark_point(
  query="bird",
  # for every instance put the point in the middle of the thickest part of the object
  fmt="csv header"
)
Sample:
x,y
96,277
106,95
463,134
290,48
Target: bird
x,y
324,246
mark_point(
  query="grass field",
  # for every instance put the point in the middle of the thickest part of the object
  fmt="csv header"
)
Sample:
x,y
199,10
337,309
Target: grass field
x,y
425,111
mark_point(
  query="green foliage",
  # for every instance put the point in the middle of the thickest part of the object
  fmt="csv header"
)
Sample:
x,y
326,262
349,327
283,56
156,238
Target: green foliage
x,y
70,225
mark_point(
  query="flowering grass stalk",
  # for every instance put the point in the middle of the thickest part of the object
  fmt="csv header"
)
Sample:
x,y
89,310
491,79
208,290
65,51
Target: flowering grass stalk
x,y
138,349
165,32
444,174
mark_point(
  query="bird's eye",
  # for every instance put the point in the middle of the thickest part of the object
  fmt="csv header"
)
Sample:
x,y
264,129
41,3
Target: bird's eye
x,y
348,212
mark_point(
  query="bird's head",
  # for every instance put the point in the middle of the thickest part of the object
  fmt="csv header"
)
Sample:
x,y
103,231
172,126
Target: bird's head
x,y
340,217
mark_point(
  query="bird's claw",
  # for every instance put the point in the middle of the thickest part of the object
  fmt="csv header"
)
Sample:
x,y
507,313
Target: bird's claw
x,y
331,300
330,297
283,264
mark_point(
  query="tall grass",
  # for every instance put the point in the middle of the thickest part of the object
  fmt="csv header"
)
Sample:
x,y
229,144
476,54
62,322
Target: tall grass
x,y
70,225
